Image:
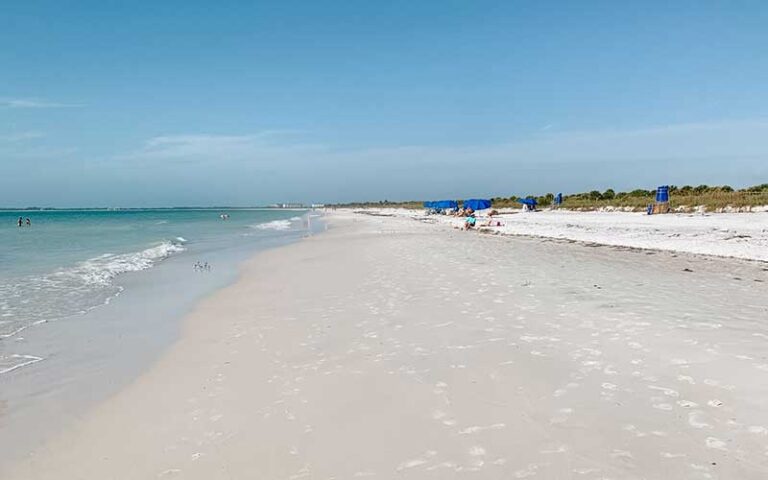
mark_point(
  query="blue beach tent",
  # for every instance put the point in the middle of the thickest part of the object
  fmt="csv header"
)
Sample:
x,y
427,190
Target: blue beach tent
x,y
477,204
442,205
531,202
447,204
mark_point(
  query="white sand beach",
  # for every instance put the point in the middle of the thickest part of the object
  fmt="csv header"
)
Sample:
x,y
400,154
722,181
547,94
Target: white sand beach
x,y
717,234
395,348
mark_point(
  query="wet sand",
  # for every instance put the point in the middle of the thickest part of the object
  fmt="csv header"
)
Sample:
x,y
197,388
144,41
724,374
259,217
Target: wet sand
x,y
388,348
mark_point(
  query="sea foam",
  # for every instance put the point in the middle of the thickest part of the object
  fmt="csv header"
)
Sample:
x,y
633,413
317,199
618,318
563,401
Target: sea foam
x,y
68,292
274,225
102,269
72,290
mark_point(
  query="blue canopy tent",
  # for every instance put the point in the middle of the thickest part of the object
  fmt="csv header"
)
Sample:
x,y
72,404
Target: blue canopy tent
x,y
442,205
530,203
477,204
447,204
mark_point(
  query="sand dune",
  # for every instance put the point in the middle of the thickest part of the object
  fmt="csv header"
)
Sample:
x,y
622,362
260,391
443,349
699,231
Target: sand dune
x,y
389,348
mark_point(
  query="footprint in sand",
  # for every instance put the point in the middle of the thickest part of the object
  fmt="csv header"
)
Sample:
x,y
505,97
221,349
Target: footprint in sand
x,y
529,471
672,455
666,391
622,454
560,449
169,472
216,418
695,419
477,453
448,465
562,416
363,474
442,417
585,471
715,443
476,429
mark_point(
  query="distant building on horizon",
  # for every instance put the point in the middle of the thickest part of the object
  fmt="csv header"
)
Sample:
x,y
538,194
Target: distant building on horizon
x,y
288,205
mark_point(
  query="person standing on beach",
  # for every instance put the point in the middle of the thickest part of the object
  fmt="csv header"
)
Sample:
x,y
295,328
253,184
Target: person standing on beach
x,y
29,222
21,221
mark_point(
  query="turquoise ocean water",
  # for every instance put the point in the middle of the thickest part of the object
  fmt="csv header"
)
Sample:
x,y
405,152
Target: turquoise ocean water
x,y
89,299
68,263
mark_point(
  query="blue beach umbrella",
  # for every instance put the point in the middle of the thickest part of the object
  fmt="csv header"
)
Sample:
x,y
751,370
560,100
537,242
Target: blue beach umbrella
x,y
477,204
531,202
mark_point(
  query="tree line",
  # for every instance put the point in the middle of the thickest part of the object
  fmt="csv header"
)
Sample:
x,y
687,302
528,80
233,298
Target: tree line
x,y
701,194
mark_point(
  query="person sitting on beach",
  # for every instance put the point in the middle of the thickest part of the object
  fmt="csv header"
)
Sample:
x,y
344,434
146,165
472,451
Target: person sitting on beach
x,y
29,222
470,221
491,222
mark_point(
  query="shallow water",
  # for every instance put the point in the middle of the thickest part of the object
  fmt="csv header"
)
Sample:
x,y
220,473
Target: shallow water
x,y
89,299
66,262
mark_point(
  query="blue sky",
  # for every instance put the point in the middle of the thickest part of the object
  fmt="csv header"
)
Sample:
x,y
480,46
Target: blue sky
x,y
189,103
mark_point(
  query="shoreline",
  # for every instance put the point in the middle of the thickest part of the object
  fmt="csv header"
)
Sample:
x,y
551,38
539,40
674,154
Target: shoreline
x,y
87,358
389,347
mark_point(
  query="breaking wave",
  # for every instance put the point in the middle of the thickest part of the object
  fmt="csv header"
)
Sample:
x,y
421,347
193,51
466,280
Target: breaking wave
x,y
274,225
72,290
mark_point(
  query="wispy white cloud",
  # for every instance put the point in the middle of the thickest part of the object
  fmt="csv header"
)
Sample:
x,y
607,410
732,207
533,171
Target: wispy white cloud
x,y
201,147
30,145
682,141
19,137
6,102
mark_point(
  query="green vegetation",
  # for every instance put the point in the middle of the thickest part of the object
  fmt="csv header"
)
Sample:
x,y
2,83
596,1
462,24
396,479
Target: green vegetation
x,y
686,197
382,204
711,197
